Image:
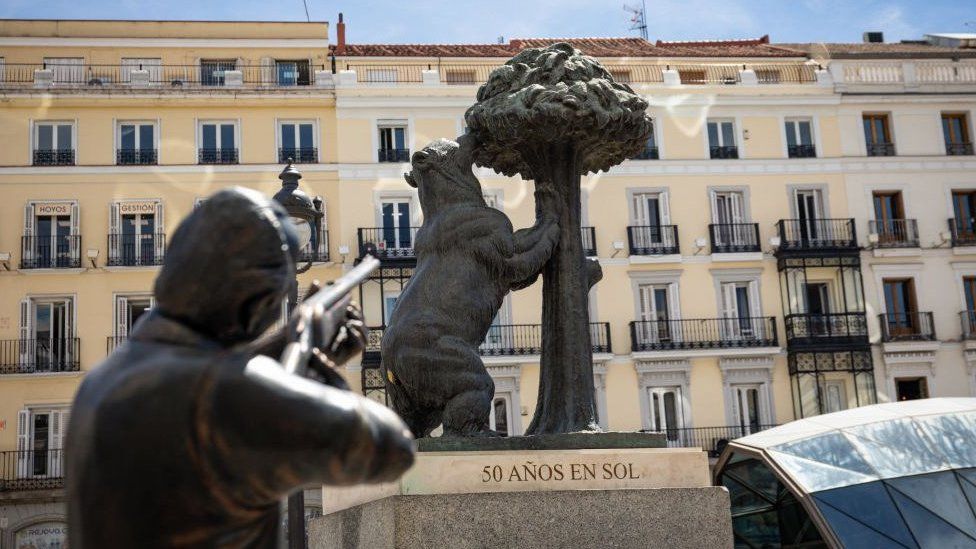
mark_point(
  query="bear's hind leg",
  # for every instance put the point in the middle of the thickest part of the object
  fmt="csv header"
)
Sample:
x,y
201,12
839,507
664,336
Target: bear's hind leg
x,y
467,410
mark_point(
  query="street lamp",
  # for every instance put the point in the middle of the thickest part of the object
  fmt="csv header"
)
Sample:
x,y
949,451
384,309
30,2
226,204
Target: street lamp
x,y
305,215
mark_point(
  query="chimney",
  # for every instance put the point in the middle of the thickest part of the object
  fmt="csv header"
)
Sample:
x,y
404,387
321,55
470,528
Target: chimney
x,y
873,37
340,48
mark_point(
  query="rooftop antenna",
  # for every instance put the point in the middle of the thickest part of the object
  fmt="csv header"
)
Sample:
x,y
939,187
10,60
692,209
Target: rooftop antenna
x,y
307,18
638,21
501,39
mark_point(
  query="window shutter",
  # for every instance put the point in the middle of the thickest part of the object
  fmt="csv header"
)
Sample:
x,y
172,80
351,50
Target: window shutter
x,y
57,438
26,332
115,238
27,248
268,75
713,199
23,443
736,406
158,235
324,228
121,317
75,242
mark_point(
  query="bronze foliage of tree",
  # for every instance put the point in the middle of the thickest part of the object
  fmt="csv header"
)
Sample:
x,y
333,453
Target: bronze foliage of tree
x,y
551,115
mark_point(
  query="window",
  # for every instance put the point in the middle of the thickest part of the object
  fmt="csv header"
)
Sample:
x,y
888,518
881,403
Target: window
x,y
292,73
397,232
799,138
816,300
500,417
389,303
54,144
912,388
964,223
901,313
969,315
809,215
730,230
218,143
135,233
956,133
834,395
889,221
393,143
665,411
747,409
212,71
153,65
721,139
51,236
40,436
656,311
651,231
137,143
877,135
66,70
740,311
47,342
650,151
297,141
128,310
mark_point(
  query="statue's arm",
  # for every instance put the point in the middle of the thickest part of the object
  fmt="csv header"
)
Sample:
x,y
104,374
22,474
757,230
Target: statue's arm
x,y
278,432
534,245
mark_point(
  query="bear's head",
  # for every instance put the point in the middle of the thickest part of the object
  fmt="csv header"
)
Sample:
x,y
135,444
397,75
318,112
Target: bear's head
x,y
442,175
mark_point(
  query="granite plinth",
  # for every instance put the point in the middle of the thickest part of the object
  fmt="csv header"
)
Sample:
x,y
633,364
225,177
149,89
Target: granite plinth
x,y
669,517
562,441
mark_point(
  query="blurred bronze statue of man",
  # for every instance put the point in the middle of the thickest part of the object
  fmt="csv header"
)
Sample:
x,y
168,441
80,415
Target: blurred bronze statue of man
x,y
189,434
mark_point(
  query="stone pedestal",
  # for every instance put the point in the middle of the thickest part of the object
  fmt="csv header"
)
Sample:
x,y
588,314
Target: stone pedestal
x,y
589,497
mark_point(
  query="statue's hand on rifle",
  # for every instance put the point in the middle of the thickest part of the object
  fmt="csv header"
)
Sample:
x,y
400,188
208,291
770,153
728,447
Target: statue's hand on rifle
x,y
339,334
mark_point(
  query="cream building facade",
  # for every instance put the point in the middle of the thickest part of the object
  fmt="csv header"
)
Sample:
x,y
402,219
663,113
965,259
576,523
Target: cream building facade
x,y
780,249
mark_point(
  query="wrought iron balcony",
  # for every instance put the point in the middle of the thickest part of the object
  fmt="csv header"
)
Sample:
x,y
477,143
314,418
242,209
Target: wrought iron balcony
x,y
881,149
968,321
652,239
217,156
834,329
894,233
132,250
47,252
648,153
907,326
710,439
388,243
589,241
963,232
303,155
135,157
729,238
817,235
802,151
393,155
703,333
959,149
724,151
30,356
54,157
22,470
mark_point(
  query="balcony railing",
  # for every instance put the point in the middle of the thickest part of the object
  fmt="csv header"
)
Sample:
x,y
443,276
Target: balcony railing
x,y
388,242
734,237
31,470
907,326
29,356
881,149
588,235
47,252
135,157
113,342
54,157
703,333
959,149
710,439
217,156
802,151
503,340
653,239
894,233
724,151
968,321
262,75
963,232
302,155
316,252
648,153
131,250
827,328
393,155
816,234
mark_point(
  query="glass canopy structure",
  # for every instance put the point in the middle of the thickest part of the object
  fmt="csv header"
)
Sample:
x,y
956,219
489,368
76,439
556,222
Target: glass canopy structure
x,y
889,475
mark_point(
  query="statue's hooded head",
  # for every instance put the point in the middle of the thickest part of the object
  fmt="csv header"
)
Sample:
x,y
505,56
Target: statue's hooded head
x,y
229,266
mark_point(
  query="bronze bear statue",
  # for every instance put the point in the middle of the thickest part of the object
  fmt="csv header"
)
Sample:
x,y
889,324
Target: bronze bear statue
x,y
468,259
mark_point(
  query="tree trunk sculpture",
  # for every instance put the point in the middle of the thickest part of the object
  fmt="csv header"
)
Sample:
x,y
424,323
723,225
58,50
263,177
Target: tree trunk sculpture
x,y
551,115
